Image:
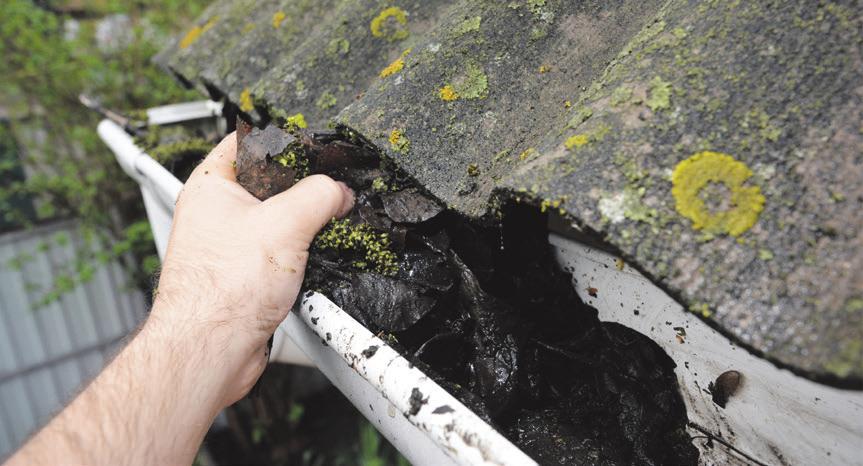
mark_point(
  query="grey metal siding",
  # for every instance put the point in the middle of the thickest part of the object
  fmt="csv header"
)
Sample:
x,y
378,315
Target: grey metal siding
x,y
47,354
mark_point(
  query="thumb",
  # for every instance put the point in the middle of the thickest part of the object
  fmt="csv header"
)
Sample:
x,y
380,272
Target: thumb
x,y
301,211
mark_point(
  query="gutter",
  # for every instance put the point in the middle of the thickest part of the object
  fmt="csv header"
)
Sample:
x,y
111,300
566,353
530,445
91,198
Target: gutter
x,y
421,419
774,417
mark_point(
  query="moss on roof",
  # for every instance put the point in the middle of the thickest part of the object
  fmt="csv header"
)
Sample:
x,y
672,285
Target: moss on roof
x,y
590,107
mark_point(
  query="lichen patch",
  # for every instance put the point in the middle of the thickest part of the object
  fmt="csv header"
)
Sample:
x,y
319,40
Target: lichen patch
x,y
695,174
196,32
390,24
246,103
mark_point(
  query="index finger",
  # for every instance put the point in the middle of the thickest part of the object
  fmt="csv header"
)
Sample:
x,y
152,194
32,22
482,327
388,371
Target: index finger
x,y
222,160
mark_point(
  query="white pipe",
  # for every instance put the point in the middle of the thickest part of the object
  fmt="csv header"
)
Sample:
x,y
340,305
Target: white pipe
x,y
176,113
426,423
143,169
159,188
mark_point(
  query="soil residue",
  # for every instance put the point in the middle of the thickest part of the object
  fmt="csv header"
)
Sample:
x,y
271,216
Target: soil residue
x,y
484,309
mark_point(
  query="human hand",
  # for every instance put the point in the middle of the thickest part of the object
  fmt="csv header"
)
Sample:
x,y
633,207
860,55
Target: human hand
x,y
234,267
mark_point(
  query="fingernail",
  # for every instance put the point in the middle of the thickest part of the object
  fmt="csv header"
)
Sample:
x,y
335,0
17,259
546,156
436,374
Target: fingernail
x,y
349,198
346,189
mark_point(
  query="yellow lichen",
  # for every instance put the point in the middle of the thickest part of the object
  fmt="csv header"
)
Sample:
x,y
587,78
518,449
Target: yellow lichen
x,y
447,93
526,154
382,28
544,69
395,66
296,121
392,68
196,32
471,83
246,103
399,142
550,203
694,174
278,17
576,141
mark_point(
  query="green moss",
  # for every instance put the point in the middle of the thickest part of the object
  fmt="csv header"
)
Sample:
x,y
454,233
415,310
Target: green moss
x,y
473,169
701,309
621,95
342,235
645,35
466,26
626,205
547,204
338,47
474,85
634,209
581,115
379,185
173,151
854,305
658,95
848,361
758,120
326,100
297,120
535,5
293,158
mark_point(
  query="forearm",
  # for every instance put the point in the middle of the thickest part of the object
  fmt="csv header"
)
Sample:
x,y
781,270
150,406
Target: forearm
x,y
232,271
151,405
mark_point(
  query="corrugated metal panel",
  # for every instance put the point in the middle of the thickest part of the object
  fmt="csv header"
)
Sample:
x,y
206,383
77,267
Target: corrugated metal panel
x,y
46,354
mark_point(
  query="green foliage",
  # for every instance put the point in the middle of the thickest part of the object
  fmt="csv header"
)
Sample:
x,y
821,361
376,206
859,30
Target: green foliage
x,y
44,69
370,442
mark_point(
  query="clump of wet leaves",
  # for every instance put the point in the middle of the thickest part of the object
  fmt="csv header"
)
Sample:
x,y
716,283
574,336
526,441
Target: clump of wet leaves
x,y
484,309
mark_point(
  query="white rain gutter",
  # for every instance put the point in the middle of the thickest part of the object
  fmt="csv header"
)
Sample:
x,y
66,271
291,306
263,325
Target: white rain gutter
x,y
159,187
382,385
775,417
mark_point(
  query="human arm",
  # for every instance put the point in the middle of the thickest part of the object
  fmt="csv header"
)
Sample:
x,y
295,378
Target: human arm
x,y
232,272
